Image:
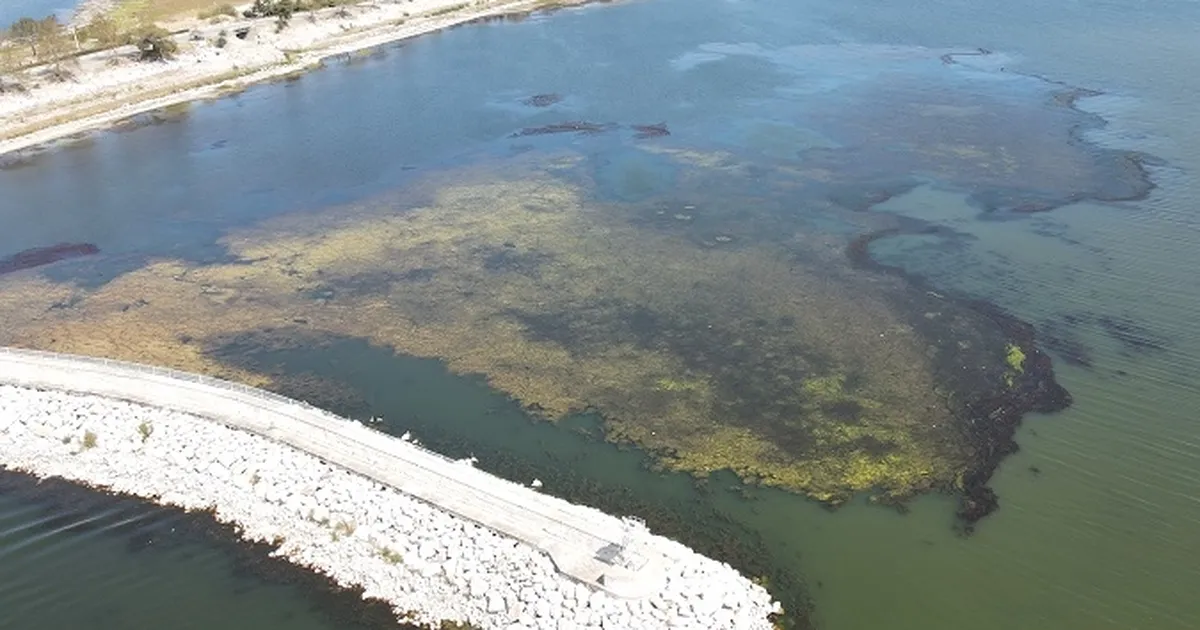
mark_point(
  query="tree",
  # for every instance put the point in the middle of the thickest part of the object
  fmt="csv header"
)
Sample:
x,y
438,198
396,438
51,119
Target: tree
x,y
10,64
53,40
104,30
156,44
26,30
39,35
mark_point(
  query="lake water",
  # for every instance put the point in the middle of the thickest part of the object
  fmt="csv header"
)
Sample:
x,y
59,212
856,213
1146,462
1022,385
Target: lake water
x,y
13,10
293,232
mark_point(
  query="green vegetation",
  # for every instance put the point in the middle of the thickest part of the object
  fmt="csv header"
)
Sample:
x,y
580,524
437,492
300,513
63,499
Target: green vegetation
x,y
31,32
10,63
770,356
48,42
1015,359
390,556
217,12
89,440
104,30
448,9
283,10
145,429
155,44
457,625
342,528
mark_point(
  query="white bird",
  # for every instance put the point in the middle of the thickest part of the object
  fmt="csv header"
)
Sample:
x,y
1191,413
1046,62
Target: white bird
x,y
537,483
470,461
407,436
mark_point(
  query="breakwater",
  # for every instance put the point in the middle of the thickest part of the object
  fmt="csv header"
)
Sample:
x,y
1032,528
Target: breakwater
x,y
350,519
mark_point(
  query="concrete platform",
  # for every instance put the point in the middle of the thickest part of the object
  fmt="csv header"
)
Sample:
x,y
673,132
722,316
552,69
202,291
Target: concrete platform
x,y
585,544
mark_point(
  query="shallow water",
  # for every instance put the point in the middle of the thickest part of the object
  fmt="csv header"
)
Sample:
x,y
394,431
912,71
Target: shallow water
x,y
1099,513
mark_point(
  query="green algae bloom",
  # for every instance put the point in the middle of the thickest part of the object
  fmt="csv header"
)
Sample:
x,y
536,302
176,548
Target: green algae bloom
x,y
1015,358
771,356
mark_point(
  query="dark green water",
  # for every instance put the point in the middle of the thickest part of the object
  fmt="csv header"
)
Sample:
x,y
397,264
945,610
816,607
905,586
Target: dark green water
x,y
77,559
1100,519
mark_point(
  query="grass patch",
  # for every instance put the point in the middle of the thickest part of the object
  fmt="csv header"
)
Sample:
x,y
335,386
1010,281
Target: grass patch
x,y
390,556
217,11
145,11
342,528
450,9
89,440
145,429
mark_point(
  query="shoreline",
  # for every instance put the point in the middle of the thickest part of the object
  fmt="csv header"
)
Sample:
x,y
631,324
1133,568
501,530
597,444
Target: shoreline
x,y
106,95
347,503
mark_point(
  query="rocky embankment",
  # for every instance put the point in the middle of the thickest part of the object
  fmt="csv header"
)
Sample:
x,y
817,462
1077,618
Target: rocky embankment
x,y
429,564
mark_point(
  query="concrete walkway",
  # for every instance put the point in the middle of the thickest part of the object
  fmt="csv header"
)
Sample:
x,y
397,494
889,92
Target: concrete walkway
x,y
582,542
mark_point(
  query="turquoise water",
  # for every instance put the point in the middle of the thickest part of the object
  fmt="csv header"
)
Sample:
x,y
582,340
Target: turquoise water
x,y
13,10
1100,514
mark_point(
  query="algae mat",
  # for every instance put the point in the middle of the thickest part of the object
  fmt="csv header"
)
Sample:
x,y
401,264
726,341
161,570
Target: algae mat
x,y
714,333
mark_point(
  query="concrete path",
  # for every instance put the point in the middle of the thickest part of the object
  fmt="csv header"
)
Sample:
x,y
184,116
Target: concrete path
x,y
581,541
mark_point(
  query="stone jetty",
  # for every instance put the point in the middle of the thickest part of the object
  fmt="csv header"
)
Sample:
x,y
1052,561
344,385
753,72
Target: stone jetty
x,y
429,562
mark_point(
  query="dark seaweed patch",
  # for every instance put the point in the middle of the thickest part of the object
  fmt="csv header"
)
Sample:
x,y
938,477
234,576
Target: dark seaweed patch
x,y
420,274
844,411
1063,342
38,256
1133,336
988,417
542,100
757,383
509,260
656,130
575,126
859,198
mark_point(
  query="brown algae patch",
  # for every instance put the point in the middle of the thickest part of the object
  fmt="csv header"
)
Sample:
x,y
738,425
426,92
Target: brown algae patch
x,y
774,358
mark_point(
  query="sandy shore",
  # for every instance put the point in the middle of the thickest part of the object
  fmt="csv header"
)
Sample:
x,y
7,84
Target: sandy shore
x,y
111,86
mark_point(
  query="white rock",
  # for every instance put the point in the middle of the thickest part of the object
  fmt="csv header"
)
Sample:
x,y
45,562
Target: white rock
x,y
400,549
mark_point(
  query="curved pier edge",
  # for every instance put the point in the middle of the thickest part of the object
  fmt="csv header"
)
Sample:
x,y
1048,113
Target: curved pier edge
x,y
615,556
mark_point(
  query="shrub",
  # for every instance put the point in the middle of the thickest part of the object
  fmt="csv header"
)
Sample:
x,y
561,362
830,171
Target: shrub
x,y
89,440
12,87
271,8
390,556
156,44
344,528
